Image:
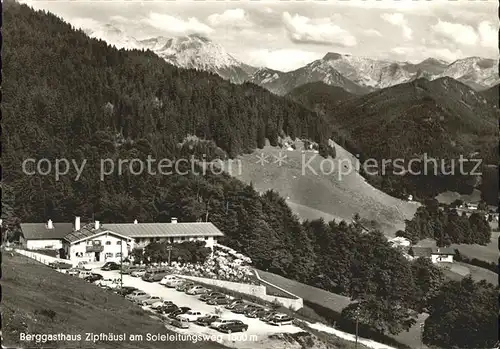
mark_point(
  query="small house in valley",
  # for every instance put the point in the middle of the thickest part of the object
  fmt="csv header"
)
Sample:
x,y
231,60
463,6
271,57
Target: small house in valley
x,y
442,255
436,255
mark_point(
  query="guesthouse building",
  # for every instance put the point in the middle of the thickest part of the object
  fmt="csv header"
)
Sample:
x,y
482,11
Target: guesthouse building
x,y
106,242
44,236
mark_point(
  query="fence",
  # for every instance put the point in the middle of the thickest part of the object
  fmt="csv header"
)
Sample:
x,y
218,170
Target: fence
x,y
258,291
42,258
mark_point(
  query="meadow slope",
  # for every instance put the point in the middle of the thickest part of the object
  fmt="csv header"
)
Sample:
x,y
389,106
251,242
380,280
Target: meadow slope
x,y
39,300
313,193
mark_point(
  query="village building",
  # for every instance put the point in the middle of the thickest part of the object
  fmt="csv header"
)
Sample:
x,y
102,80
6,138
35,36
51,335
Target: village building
x,y
49,235
145,233
93,243
98,242
436,255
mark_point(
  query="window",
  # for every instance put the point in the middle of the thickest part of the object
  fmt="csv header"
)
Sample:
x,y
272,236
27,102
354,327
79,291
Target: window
x,y
89,242
206,237
108,242
171,240
109,255
118,254
119,242
183,238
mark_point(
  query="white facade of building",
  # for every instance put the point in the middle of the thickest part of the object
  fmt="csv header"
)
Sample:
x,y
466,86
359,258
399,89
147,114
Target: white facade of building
x,y
441,258
44,244
103,247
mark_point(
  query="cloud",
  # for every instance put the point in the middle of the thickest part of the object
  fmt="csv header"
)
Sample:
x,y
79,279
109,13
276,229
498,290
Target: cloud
x,y
418,53
85,23
456,32
282,59
372,32
237,18
177,26
488,34
323,31
398,19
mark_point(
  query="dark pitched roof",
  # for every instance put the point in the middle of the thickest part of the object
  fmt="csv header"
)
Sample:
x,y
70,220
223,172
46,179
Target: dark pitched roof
x,y
39,231
145,230
418,251
443,251
85,232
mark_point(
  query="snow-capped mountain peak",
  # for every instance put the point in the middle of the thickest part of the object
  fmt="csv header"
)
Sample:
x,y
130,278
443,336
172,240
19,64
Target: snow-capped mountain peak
x,y
113,36
195,51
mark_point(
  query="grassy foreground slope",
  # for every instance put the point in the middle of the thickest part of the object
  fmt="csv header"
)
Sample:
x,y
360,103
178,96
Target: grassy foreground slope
x,y
313,194
39,300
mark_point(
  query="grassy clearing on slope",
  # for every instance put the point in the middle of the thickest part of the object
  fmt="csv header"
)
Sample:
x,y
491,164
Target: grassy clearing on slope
x,y
312,192
39,300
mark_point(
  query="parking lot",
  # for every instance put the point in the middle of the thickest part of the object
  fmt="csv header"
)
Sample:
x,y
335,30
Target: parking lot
x,y
257,330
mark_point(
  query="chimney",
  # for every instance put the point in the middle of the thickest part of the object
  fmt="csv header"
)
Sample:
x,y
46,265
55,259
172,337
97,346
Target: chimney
x,y
174,220
77,223
135,221
97,225
50,225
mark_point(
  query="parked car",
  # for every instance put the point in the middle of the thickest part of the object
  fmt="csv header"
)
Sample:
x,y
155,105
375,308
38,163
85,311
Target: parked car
x,y
251,310
138,273
207,319
179,322
257,313
195,290
93,277
125,290
218,300
280,319
234,326
110,266
83,265
234,303
151,300
60,265
105,282
160,304
84,274
168,278
174,283
186,285
206,296
155,275
215,324
137,296
168,309
268,316
73,272
242,308
192,315
127,269
180,311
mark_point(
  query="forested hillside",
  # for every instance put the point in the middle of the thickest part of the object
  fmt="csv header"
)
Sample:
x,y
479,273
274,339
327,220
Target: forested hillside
x,y
442,118
78,92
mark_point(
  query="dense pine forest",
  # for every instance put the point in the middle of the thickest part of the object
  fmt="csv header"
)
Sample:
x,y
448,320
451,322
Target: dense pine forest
x,y
68,96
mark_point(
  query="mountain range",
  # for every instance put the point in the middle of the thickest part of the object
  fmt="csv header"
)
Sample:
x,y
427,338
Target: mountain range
x,y
357,75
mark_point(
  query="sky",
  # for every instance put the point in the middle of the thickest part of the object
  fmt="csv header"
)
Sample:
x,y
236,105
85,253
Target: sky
x,y
286,35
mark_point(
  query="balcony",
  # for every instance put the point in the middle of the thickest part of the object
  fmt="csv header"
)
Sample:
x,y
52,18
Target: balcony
x,y
94,248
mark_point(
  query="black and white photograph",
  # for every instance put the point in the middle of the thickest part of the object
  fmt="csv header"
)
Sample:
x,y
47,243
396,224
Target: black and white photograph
x,y
250,174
